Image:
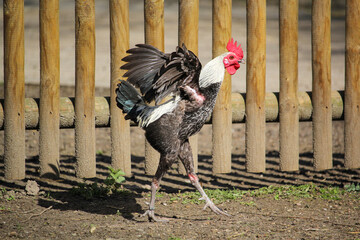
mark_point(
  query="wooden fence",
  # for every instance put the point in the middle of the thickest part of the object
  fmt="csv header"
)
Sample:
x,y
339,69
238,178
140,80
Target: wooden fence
x,y
85,112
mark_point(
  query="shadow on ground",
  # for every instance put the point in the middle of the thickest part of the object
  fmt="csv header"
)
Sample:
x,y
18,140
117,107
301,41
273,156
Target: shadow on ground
x,y
126,204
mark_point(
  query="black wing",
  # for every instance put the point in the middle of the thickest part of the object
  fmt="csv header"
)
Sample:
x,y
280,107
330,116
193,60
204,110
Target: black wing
x,y
158,74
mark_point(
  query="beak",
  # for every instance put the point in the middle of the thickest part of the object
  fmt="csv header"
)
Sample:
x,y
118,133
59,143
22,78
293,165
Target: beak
x,y
242,61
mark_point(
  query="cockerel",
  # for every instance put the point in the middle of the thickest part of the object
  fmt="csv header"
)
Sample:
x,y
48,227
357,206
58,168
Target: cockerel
x,y
192,92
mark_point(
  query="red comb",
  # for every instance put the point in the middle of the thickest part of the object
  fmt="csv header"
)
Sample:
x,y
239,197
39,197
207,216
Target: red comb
x,y
232,47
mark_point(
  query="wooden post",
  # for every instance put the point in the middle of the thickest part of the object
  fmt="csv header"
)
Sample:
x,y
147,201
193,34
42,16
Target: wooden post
x,y
14,92
352,85
154,35
222,124
85,88
289,114
120,129
188,34
50,88
255,85
321,93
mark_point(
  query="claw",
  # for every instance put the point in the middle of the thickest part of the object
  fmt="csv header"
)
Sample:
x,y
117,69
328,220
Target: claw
x,y
206,205
151,216
195,181
214,208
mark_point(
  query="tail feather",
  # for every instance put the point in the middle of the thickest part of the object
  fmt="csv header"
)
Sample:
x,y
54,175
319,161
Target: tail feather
x,y
129,100
133,105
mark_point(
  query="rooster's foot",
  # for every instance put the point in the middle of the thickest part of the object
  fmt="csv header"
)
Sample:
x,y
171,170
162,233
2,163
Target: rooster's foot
x,y
213,207
151,216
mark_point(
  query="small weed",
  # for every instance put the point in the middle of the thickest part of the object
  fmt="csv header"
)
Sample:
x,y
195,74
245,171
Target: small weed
x,y
7,195
10,198
3,208
115,177
3,191
47,195
99,152
111,185
352,187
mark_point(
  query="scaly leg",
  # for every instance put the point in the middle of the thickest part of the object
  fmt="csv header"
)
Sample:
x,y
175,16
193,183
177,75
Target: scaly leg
x,y
150,212
186,158
164,164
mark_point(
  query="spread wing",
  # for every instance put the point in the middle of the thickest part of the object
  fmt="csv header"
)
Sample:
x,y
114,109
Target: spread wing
x,y
158,74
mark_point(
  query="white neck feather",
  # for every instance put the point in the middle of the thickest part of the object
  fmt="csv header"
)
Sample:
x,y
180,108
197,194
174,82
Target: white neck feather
x,y
212,72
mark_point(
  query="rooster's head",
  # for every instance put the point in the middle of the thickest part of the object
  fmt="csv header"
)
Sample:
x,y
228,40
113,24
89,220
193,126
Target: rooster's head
x,y
234,57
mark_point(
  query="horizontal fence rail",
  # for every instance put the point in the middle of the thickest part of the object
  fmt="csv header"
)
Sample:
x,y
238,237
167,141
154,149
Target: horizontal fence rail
x,y
102,109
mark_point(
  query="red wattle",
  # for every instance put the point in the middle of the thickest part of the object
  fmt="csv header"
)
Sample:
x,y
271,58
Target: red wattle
x,y
231,70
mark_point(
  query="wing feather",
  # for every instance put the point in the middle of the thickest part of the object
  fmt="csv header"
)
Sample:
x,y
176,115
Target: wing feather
x,y
158,74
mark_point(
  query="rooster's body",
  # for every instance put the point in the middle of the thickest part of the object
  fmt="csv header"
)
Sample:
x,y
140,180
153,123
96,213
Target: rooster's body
x,y
169,125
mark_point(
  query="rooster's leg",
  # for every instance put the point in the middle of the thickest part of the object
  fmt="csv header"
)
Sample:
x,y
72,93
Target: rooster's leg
x,y
186,158
150,212
164,164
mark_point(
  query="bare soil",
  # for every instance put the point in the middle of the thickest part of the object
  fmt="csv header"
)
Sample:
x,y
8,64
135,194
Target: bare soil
x,y
56,213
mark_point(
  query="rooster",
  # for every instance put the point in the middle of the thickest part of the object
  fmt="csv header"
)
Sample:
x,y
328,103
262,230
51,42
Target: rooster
x,y
191,94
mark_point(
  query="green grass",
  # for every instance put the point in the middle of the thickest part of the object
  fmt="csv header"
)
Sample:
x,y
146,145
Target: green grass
x,y
309,191
217,195
299,192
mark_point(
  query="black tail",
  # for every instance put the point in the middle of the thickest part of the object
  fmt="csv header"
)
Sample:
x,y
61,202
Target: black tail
x,y
129,100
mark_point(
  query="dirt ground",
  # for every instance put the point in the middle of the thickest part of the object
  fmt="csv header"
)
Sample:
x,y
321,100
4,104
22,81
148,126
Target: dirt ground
x,y
56,213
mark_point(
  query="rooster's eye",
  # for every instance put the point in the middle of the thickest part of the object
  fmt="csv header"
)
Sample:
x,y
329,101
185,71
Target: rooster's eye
x,y
231,57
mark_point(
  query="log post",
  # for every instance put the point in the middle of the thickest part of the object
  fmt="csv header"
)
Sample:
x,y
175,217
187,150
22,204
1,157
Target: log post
x,y
154,35
50,89
188,34
289,114
222,124
85,88
14,91
352,85
255,85
102,110
321,87
120,128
